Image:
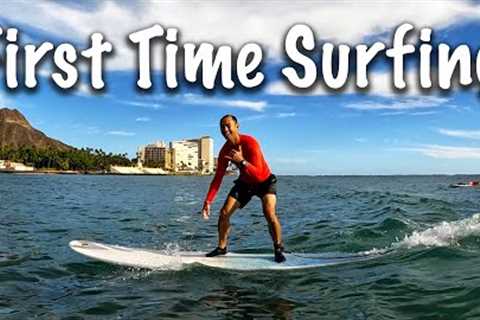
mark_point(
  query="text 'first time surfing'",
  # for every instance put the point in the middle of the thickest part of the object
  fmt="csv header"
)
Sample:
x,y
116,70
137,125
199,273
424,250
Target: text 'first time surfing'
x,y
225,67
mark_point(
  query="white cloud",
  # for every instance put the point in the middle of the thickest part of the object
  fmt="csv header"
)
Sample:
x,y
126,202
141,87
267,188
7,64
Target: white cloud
x,y
393,113
399,104
423,113
361,140
232,22
253,118
253,105
143,119
121,133
468,134
83,90
380,84
282,88
258,106
143,104
285,114
446,152
280,115
4,101
92,130
86,129
398,113
44,72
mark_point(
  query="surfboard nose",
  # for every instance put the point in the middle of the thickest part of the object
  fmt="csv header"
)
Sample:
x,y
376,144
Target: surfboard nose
x,y
78,244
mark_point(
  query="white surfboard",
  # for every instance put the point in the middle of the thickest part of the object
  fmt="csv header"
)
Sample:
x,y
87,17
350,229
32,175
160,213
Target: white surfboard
x,y
154,259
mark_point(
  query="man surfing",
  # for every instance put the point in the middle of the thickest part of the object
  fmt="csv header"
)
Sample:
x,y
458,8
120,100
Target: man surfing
x,y
255,180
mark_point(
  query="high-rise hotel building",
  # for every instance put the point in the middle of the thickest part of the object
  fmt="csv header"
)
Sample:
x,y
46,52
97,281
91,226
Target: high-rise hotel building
x,y
190,155
185,155
206,161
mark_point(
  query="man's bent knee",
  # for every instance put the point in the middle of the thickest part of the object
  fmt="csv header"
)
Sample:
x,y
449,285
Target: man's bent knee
x,y
270,215
225,213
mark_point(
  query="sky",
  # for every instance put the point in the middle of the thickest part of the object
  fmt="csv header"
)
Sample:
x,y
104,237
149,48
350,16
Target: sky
x,y
315,132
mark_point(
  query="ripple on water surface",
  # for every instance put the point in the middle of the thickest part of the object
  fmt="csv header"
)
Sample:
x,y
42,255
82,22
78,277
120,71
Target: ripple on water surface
x,y
430,232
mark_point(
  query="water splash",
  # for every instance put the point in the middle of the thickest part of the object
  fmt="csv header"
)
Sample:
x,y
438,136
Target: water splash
x,y
443,234
172,249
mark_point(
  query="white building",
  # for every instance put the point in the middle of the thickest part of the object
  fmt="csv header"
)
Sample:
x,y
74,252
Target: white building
x,y
185,155
188,155
206,160
156,153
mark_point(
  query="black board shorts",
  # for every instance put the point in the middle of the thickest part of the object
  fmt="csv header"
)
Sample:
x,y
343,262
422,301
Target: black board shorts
x,y
244,192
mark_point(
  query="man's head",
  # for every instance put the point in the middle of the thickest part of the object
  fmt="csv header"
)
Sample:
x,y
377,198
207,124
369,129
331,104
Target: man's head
x,y
229,127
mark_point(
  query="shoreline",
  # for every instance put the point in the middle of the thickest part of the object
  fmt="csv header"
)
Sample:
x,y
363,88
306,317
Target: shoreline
x,y
96,173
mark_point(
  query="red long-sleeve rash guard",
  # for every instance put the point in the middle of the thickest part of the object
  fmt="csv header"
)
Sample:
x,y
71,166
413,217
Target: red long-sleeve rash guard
x,y
254,172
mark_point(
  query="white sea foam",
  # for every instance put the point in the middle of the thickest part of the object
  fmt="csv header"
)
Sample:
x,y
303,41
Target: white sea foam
x,y
172,249
374,252
183,218
443,234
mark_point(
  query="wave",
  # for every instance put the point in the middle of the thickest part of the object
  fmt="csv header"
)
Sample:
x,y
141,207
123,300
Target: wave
x,y
443,234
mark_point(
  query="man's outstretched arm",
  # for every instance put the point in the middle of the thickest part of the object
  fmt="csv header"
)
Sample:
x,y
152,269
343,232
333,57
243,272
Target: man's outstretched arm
x,y
215,184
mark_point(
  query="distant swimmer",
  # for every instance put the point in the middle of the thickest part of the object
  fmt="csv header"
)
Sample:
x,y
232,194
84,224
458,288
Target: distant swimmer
x,y
255,180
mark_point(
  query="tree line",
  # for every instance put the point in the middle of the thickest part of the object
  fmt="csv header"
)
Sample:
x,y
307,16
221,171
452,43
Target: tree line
x,y
85,159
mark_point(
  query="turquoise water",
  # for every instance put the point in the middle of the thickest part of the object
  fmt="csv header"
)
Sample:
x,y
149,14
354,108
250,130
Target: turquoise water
x,y
432,230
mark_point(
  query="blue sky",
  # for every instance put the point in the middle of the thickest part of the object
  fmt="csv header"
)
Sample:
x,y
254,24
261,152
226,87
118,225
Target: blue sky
x,y
378,132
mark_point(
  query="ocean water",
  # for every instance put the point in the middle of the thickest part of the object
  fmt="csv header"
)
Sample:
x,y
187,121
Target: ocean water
x,y
431,231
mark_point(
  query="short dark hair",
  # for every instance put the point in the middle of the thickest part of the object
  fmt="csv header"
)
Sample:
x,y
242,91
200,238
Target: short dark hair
x,y
229,116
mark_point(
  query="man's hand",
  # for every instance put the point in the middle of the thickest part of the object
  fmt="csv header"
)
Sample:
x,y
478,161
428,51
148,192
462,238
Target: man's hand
x,y
206,211
236,155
